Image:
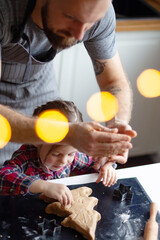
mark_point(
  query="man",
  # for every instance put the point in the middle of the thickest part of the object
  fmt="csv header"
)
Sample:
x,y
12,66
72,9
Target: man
x,y
32,32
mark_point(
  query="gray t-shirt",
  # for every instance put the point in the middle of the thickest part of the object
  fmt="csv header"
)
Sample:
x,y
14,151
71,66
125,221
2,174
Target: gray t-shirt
x,y
24,95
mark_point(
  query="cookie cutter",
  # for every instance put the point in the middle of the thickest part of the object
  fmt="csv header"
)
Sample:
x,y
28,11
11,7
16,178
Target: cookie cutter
x,y
49,227
123,192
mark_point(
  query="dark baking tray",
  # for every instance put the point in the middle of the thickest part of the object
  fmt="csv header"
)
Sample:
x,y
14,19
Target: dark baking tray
x,y
20,216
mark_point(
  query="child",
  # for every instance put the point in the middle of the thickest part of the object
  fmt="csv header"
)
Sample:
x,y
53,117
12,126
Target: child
x,y
31,166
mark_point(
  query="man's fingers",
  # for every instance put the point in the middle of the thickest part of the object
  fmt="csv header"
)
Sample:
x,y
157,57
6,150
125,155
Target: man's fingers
x,y
124,128
121,158
96,140
131,133
108,137
109,149
99,127
99,162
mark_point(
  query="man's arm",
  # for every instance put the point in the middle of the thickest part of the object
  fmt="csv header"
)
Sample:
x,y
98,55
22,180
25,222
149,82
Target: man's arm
x,y
90,138
22,127
111,77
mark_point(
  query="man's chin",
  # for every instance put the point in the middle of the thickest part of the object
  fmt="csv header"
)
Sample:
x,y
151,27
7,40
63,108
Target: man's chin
x,y
65,43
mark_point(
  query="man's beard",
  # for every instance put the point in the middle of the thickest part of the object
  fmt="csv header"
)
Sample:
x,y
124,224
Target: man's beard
x,y
56,40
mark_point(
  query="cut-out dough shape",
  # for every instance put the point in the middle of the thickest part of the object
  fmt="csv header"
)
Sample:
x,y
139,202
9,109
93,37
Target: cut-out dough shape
x,y
80,215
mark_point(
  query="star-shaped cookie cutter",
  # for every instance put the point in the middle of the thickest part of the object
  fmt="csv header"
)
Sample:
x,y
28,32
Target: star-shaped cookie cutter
x,y
49,227
122,193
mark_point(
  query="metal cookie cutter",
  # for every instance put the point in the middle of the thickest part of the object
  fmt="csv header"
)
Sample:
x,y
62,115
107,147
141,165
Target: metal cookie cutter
x,y
122,193
49,227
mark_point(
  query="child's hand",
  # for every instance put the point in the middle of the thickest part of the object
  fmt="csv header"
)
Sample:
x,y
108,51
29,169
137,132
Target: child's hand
x,y
59,192
56,191
108,174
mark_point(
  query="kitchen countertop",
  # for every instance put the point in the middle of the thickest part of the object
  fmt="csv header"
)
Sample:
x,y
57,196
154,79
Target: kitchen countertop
x,y
140,24
148,176
126,25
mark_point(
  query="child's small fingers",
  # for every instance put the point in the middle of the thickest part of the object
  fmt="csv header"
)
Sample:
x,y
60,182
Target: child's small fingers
x,y
69,201
61,200
65,200
110,180
114,178
69,196
99,178
105,176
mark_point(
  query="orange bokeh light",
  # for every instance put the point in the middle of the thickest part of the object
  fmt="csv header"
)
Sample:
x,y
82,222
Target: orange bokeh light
x,y
5,131
52,126
102,106
148,83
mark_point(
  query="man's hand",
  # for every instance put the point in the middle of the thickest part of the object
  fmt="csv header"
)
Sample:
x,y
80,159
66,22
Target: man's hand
x,y
123,128
119,158
96,140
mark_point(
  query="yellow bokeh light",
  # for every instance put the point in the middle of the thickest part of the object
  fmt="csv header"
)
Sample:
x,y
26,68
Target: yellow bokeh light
x,y
102,106
5,131
148,83
51,126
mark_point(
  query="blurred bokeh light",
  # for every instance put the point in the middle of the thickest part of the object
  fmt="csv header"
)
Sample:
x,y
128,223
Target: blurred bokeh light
x,y
148,83
5,131
52,126
102,106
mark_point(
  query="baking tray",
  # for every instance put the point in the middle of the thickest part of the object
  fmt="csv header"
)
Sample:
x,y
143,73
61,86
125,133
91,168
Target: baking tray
x,y
20,217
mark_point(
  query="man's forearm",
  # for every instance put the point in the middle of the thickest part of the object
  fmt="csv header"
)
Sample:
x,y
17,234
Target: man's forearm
x,y
22,127
124,96
111,78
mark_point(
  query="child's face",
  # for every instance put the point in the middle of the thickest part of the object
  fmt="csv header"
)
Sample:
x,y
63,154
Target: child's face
x,y
57,156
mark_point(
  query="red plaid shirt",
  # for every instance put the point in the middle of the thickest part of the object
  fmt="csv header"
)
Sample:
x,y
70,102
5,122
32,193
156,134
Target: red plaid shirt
x,y
17,174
